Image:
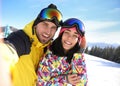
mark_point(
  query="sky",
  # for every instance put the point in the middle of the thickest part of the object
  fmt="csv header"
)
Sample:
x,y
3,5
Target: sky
x,y
100,17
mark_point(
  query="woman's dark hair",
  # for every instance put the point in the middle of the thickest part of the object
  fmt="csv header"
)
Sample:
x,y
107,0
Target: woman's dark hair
x,y
57,49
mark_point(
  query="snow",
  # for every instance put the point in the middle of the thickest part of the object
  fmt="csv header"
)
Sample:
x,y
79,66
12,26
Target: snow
x,y
102,72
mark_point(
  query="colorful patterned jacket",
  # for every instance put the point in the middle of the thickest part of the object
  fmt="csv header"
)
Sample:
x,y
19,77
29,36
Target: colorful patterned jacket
x,y
52,70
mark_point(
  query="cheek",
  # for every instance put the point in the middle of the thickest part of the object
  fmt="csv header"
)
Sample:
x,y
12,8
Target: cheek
x,y
53,33
37,32
74,42
64,38
40,30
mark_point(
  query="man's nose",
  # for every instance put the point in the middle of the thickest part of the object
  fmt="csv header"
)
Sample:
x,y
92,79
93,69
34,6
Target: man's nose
x,y
48,30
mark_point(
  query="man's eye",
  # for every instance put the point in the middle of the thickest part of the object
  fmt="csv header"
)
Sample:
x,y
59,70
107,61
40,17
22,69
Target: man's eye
x,y
54,28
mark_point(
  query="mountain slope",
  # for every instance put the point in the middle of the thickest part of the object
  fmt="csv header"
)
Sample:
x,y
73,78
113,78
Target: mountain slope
x,y
102,72
102,44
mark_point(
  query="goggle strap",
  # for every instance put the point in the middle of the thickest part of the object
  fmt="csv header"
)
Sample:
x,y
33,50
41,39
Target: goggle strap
x,y
54,19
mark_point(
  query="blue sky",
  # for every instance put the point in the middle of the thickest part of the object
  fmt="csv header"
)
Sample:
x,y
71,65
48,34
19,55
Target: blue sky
x,y
101,17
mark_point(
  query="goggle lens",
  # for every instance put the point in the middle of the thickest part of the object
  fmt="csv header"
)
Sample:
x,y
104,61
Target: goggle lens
x,y
50,14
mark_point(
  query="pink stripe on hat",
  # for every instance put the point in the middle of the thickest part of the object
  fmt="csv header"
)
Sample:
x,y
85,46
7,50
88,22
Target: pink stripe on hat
x,y
62,30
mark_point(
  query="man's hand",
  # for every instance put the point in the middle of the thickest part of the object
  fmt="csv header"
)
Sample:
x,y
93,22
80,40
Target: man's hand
x,y
7,52
5,78
8,59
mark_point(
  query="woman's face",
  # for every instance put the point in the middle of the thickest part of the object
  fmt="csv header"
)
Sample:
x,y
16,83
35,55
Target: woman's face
x,y
69,38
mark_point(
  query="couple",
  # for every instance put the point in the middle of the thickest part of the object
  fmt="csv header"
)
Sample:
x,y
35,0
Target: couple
x,y
46,63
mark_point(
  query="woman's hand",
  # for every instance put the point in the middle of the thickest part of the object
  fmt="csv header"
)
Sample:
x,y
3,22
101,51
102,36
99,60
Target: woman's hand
x,y
73,79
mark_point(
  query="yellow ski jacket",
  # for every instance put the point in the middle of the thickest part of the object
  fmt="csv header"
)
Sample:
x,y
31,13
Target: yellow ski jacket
x,y
24,71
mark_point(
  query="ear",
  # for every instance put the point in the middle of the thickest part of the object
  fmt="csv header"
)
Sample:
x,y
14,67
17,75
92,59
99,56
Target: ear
x,y
33,29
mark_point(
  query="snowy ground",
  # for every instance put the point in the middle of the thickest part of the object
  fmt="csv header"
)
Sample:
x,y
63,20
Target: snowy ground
x,y
102,72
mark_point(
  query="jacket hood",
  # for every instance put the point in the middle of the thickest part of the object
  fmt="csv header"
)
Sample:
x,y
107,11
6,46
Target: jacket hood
x,y
28,30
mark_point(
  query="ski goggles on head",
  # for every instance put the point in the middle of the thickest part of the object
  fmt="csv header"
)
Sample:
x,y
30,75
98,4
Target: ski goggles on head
x,y
51,14
77,23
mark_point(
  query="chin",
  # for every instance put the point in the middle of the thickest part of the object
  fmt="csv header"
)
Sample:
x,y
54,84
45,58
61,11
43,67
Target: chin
x,y
66,49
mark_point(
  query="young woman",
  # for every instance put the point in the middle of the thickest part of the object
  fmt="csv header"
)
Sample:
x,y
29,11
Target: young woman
x,y
63,63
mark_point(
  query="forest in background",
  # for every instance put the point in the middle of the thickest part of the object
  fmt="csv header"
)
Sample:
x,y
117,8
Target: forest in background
x,y
108,53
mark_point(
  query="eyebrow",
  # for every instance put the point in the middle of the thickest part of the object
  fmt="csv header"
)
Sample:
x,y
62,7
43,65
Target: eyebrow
x,y
48,24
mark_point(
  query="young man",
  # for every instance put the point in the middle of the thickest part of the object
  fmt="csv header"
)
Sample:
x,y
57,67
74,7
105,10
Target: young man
x,y
30,43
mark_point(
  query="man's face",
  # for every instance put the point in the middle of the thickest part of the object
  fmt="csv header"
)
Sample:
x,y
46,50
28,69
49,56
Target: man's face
x,y
45,31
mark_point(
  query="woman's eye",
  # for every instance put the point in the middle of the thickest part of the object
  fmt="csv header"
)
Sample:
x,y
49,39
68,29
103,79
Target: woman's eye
x,y
66,33
75,36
